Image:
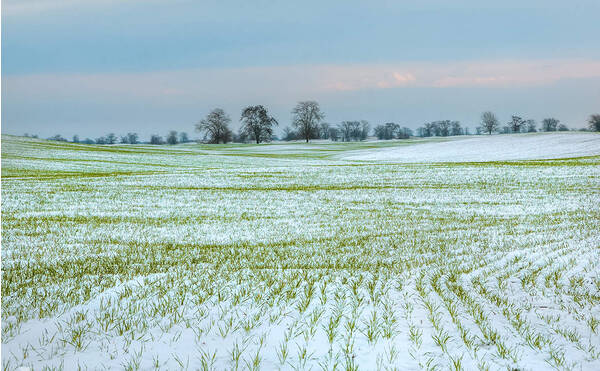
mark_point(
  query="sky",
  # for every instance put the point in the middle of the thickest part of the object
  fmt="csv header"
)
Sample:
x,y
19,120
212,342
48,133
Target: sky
x,y
90,67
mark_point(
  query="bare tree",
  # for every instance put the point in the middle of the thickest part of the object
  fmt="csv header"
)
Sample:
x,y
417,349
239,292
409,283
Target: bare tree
x,y
405,133
306,117
365,128
550,124
324,130
489,122
215,127
111,138
288,134
132,138
156,139
257,124
172,137
531,126
334,134
455,129
58,138
428,129
389,130
515,124
183,137
444,127
349,130
594,122
75,138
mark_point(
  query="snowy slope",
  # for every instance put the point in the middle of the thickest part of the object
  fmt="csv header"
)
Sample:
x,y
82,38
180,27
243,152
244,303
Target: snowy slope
x,y
489,148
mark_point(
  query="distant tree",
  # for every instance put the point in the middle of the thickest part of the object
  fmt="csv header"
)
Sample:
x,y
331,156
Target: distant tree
x,y
444,127
88,141
429,129
183,137
132,138
111,138
380,132
334,134
515,124
156,139
455,128
550,124
216,127
172,137
124,139
405,133
365,129
75,139
306,117
436,128
288,134
324,130
594,122
101,140
562,127
489,122
531,126
389,130
257,124
57,138
349,130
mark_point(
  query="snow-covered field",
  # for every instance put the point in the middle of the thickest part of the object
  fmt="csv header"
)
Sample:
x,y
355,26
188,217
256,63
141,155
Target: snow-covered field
x,y
302,257
490,148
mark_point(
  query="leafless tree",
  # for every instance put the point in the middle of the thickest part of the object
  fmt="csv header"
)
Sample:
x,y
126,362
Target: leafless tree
x,y
156,139
455,129
324,130
288,134
444,126
516,123
594,122
257,124
111,138
489,122
306,117
334,134
550,124
215,127
389,130
429,129
172,137
531,126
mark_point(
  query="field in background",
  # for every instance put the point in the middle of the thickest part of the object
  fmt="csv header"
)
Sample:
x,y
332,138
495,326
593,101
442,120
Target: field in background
x,y
298,256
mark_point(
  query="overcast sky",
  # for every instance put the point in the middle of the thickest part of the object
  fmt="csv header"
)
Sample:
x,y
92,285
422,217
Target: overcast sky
x,y
90,67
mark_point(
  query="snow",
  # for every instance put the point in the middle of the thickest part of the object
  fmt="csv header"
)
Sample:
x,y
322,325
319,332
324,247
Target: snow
x,y
488,148
168,256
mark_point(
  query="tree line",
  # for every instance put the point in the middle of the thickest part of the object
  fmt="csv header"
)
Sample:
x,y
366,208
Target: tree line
x,y
307,123
490,124
173,137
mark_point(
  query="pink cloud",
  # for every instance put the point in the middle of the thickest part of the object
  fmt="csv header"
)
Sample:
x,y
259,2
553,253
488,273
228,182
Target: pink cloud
x,y
286,83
